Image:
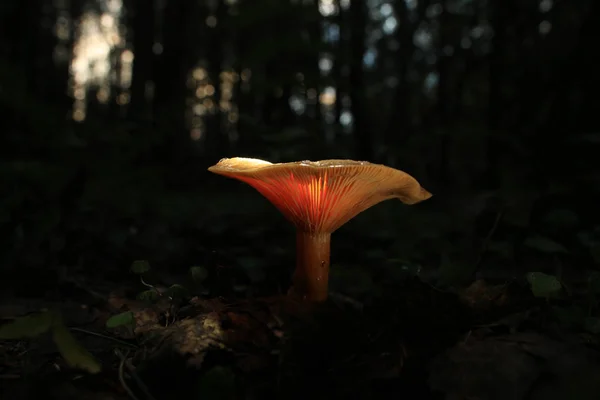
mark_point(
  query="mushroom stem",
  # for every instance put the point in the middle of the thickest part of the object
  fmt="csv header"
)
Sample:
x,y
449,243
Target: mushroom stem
x,y
311,277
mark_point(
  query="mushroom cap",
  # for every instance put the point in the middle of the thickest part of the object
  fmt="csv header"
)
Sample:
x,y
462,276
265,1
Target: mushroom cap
x,y
321,196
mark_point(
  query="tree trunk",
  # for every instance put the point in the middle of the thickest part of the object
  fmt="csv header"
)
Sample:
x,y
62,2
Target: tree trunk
x,y
399,126
500,16
142,20
590,81
444,99
358,21
170,77
217,143
339,63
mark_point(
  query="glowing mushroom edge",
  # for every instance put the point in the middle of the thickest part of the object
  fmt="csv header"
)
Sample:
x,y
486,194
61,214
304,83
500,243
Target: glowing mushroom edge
x,y
318,197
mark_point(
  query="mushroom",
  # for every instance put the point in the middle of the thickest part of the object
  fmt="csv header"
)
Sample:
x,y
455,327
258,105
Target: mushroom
x,y
318,197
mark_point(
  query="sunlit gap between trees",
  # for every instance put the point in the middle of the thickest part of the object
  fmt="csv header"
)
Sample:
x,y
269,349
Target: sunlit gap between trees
x,y
101,60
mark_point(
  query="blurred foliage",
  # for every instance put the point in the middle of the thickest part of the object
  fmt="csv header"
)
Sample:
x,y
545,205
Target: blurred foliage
x,y
34,325
505,139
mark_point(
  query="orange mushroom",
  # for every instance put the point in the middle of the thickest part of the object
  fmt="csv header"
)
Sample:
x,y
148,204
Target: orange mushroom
x,y
318,197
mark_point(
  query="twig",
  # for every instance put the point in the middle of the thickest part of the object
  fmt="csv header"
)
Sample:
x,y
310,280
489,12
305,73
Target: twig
x,y
158,292
122,374
130,368
80,285
138,380
340,298
112,339
280,365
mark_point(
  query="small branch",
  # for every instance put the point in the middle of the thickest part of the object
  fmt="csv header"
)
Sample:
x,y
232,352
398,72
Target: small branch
x,y
125,363
122,374
112,339
150,286
138,380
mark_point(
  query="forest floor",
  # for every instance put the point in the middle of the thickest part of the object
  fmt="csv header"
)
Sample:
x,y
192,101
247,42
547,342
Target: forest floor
x,y
225,329
414,342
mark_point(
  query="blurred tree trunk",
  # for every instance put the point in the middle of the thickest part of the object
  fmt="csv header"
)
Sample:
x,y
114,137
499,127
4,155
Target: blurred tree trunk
x,y
362,134
47,80
589,79
276,112
468,66
116,109
573,89
399,127
269,107
339,65
142,15
170,77
311,62
444,103
247,93
13,26
500,13
246,107
217,143
280,71
29,43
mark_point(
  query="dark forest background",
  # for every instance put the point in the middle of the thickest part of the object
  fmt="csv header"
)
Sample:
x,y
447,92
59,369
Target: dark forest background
x,y
112,111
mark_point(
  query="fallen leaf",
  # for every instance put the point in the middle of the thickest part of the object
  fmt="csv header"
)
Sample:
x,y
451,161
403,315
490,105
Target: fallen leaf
x,y
28,326
122,319
71,350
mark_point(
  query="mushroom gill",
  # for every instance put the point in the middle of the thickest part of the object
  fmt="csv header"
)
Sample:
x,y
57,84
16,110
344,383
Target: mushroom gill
x,y
318,197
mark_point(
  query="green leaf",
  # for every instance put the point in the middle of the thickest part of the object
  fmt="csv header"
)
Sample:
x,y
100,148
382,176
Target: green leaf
x,y
217,384
545,245
543,285
122,319
199,274
140,267
71,350
28,326
176,292
150,296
